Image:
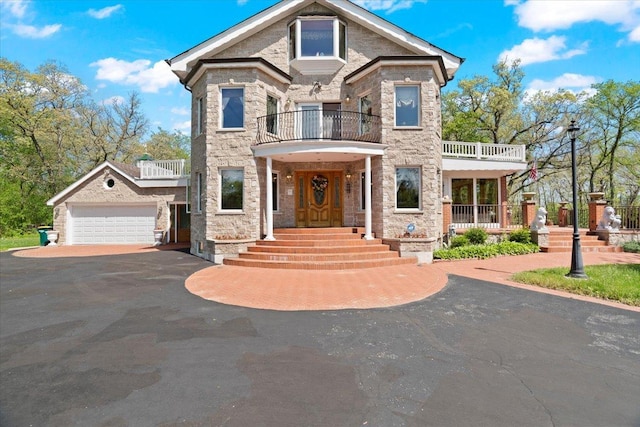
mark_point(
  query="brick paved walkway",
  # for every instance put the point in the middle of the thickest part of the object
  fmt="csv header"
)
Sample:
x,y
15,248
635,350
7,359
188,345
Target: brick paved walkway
x,y
292,290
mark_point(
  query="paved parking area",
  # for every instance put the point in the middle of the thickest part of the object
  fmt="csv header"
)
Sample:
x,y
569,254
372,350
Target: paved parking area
x,y
117,340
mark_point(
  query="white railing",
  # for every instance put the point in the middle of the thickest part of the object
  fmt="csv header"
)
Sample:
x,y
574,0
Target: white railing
x,y
158,169
479,150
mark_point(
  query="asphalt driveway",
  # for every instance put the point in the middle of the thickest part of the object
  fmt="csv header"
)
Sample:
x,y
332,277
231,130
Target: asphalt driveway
x,y
118,341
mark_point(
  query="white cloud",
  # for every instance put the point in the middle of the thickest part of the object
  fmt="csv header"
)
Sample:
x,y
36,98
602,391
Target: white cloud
x,y
32,32
114,100
184,127
17,8
241,2
536,50
562,14
568,81
148,78
634,35
389,6
105,12
182,111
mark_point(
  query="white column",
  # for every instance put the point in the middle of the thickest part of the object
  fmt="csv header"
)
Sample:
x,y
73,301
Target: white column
x,y
367,198
269,208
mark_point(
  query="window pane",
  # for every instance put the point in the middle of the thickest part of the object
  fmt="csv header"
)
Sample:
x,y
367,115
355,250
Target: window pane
x,y
408,188
232,186
462,191
407,103
274,190
292,41
272,111
365,111
232,107
343,42
487,191
317,37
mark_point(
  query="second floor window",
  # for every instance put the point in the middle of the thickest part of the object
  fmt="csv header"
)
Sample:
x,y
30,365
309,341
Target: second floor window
x,y
317,37
272,114
232,108
200,116
407,106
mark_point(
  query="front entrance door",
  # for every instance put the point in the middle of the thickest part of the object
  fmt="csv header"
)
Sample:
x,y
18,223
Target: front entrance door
x,y
319,199
180,230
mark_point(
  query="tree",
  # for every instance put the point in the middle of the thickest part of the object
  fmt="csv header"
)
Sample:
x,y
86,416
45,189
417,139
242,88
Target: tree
x,y
165,145
51,133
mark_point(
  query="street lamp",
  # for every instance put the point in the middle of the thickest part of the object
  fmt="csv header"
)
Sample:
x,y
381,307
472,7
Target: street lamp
x,y
577,268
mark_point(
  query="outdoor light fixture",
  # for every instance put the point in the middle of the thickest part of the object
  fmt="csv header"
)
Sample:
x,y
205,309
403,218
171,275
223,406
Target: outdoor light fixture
x,y
347,175
289,176
347,98
577,267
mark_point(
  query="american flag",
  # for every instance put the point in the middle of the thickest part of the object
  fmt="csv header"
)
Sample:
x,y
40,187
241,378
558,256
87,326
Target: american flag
x,y
533,173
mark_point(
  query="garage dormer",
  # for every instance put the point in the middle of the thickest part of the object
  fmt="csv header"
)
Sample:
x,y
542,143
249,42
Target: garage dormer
x,y
317,44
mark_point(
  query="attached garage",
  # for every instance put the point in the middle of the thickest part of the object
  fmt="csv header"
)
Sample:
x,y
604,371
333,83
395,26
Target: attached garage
x,y
112,224
117,203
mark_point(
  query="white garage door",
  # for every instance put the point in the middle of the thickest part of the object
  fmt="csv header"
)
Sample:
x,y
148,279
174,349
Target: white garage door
x,y
112,224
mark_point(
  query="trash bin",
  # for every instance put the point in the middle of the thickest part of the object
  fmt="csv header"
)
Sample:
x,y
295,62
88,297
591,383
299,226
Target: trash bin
x,y
44,240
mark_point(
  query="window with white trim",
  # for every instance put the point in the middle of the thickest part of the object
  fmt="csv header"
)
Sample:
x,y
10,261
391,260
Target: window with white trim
x,y
272,114
231,189
232,102
199,116
365,109
408,185
317,36
275,179
198,192
407,106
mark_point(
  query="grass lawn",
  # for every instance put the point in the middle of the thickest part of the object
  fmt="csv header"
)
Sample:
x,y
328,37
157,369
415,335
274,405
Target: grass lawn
x,y
617,282
32,239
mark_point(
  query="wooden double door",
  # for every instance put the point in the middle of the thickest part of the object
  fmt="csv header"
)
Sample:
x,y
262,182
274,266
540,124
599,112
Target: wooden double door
x,y
319,199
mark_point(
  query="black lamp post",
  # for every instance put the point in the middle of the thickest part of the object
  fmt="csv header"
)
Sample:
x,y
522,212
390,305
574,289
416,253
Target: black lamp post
x,y
577,268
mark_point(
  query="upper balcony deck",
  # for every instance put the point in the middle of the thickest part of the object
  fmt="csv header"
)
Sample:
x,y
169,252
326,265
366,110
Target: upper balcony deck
x,y
164,169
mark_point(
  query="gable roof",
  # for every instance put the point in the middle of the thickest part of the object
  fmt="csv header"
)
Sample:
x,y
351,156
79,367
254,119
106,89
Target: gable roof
x,y
128,172
182,63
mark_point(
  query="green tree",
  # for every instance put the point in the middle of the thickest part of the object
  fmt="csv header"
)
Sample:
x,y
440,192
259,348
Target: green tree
x,y
166,145
51,133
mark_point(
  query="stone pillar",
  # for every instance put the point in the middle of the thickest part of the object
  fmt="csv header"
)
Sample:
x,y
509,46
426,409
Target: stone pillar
x,y
446,215
528,212
563,215
596,210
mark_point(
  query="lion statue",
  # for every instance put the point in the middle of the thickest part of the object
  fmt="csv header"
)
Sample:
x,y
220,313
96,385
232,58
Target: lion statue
x,y
609,221
540,221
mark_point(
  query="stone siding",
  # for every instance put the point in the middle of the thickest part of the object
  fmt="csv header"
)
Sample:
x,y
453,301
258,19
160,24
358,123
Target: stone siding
x,y
124,192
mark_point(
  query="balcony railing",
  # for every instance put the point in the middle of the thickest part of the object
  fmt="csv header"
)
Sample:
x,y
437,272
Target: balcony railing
x,y
482,151
164,169
319,125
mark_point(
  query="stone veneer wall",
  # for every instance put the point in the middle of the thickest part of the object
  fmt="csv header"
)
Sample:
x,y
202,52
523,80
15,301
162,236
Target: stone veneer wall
x,y
94,191
216,148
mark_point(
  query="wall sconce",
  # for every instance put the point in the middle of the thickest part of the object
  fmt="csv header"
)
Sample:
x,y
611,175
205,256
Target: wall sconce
x,y
347,176
289,176
317,86
347,98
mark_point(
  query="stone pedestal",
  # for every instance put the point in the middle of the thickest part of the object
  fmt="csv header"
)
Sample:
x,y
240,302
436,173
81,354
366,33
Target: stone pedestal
x,y
541,237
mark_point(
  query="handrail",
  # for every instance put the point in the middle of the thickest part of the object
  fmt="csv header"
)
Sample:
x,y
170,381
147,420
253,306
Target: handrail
x,y
155,169
319,125
484,151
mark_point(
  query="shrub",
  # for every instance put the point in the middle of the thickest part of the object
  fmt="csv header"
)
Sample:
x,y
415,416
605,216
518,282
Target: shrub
x,y
458,241
476,236
486,251
633,247
522,235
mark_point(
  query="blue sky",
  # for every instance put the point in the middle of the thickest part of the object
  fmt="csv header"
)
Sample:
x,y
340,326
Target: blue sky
x,y
116,47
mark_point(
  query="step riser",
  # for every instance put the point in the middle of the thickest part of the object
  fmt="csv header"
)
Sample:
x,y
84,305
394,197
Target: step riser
x,y
319,249
583,249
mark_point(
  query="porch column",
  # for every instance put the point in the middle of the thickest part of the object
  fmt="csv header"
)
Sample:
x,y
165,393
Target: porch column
x,y
269,214
367,198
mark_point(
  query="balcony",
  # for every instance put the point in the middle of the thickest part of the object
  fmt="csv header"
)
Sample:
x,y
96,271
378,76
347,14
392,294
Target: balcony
x,y
164,169
482,151
314,124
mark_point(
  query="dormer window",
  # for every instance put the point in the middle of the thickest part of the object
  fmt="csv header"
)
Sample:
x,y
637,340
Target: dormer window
x,y
317,44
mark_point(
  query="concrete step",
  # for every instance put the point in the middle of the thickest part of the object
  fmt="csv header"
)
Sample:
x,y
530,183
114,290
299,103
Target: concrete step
x,y
315,265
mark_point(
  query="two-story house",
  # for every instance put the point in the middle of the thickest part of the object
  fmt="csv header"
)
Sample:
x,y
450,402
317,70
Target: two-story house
x,y
314,113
